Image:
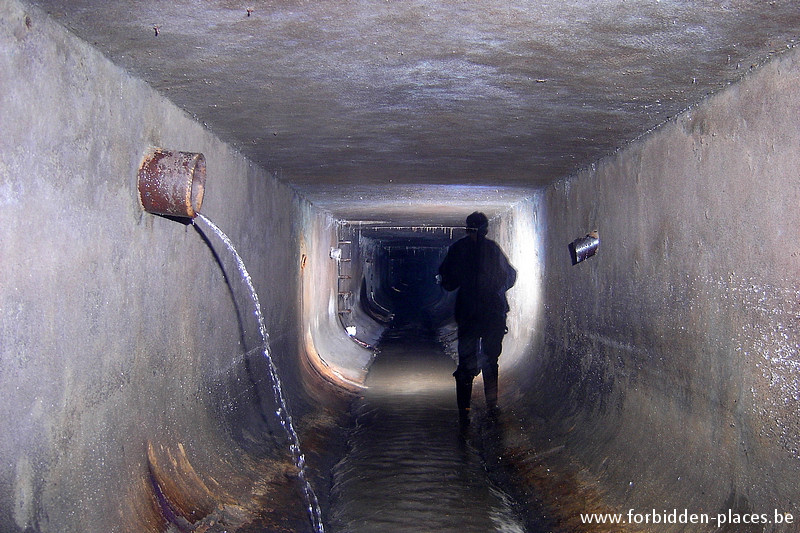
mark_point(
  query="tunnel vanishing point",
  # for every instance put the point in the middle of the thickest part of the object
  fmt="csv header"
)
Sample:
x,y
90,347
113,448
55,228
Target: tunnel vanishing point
x,y
662,373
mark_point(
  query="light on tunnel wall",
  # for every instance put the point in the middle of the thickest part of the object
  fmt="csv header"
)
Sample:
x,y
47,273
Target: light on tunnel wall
x,y
585,247
336,254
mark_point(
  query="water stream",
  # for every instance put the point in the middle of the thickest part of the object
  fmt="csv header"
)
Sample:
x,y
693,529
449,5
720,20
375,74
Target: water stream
x,y
282,412
410,467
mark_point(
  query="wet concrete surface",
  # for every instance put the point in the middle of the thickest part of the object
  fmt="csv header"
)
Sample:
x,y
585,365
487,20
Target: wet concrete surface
x,y
410,465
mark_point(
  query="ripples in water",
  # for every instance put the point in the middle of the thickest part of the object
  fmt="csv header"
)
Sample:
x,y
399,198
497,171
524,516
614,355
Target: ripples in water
x,y
409,466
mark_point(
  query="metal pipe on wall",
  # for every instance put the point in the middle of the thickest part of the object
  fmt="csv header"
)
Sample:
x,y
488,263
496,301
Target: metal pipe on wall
x,y
172,183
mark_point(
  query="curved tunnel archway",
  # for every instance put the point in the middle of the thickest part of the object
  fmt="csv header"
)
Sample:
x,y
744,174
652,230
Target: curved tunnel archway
x,y
399,275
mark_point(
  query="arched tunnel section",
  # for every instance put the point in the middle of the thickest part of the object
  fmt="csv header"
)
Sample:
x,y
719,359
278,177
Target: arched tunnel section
x,y
399,266
147,388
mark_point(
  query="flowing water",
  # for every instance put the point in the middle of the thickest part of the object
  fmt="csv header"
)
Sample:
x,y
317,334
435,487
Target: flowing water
x,y
410,466
277,389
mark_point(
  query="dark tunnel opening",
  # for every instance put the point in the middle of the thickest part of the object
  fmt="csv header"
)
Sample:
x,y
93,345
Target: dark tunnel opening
x,y
395,271
405,283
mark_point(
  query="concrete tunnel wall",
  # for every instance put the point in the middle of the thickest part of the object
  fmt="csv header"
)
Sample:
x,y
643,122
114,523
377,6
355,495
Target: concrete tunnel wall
x,y
328,351
663,370
666,372
133,381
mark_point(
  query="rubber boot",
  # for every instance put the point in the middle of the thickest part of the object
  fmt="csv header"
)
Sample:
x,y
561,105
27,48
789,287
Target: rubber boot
x,y
463,398
490,387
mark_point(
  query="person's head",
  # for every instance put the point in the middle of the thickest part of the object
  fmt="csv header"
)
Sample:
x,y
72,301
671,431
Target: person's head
x,y
478,224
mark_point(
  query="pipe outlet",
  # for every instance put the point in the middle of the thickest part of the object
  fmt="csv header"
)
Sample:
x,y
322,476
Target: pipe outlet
x,y
584,248
172,183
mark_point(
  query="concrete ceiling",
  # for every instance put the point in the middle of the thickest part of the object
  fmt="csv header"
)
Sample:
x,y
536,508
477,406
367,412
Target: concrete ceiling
x,y
362,105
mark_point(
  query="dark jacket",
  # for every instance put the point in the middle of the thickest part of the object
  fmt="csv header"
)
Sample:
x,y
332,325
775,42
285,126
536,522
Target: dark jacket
x,y
482,274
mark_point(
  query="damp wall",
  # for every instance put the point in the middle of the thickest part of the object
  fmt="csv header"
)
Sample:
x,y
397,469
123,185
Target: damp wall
x,y
329,352
667,369
519,232
134,384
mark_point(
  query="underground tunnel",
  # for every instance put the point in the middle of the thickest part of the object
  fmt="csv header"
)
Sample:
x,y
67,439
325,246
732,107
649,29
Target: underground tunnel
x,y
272,351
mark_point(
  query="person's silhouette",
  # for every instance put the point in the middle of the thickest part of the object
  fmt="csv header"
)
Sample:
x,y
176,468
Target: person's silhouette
x,y
480,271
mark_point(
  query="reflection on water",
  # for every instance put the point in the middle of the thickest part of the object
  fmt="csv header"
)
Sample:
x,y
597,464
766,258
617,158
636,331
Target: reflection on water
x,y
409,467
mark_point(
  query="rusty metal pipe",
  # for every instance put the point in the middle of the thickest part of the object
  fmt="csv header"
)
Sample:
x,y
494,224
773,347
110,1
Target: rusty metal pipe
x,y
172,183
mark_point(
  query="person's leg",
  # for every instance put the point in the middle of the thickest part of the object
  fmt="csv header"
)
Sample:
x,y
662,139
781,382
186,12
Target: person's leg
x,y
492,344
467,367
490,372
463,396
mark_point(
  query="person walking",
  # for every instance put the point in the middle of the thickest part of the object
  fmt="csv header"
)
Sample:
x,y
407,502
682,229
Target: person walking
x,y
477,267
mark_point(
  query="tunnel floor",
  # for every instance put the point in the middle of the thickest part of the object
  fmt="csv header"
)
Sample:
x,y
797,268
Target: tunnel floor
x,y
410,466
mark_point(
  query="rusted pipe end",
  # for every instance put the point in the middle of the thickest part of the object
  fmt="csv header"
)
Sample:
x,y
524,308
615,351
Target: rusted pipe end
x,y
172,183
